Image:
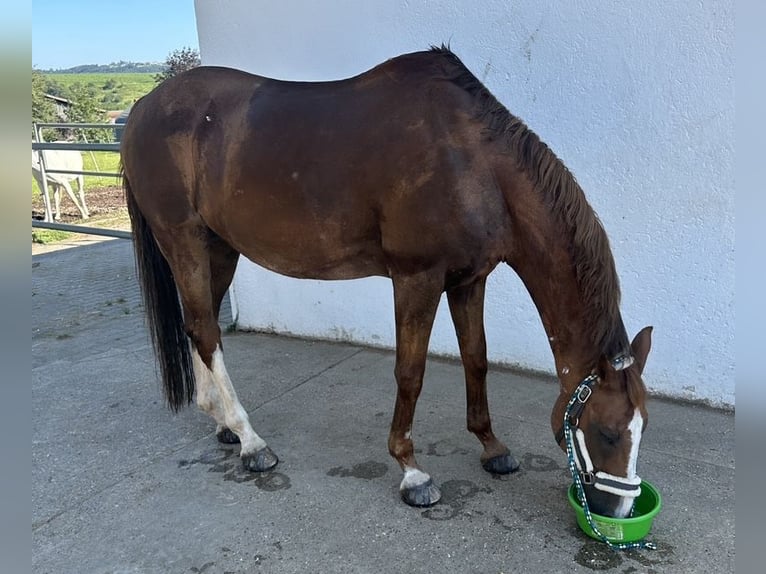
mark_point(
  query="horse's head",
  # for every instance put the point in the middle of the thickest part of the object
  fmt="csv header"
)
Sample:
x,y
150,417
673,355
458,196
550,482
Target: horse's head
x,y
606,418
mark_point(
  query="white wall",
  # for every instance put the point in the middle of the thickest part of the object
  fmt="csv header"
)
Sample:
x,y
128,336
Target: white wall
x,y
636,98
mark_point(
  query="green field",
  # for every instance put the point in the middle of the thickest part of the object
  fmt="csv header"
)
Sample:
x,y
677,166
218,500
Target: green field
x,y
95,161
112,91
92,161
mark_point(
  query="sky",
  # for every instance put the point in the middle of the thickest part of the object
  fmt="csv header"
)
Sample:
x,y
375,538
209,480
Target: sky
x,y
68,33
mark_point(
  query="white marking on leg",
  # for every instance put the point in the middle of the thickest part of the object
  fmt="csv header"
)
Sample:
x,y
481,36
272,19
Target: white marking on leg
x,y
635,427
413,478
217,397
235,416
207,395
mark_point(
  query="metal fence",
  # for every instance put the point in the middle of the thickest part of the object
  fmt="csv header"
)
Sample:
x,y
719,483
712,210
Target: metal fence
x,y
39,146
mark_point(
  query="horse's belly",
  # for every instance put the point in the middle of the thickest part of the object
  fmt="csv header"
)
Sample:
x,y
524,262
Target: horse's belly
x,y
309,253
351,266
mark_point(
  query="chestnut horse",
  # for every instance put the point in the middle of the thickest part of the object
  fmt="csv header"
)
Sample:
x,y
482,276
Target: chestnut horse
x,y
412,171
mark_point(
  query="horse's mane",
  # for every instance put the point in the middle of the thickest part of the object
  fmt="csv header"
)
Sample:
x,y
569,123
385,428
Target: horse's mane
x,y
589,246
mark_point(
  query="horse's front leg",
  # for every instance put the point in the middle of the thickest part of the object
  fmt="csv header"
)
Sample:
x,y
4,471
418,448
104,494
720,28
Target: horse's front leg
x,y
466,305
416,299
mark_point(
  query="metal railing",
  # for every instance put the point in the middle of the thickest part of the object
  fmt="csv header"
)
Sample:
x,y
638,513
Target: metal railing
x,y
39,146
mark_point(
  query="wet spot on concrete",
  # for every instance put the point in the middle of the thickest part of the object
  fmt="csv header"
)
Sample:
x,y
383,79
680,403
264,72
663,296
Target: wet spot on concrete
x,y
663,555
227,462
497,521
459,491
270,481
539,463
202,568
213,458
444,448
455,495
367,470
597,556
441,512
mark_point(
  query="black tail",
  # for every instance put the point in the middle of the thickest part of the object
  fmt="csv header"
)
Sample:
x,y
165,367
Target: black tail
x,y
163,309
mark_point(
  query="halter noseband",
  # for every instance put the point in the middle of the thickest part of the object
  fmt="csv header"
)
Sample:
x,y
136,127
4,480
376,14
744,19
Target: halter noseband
x,y
617,485
581,466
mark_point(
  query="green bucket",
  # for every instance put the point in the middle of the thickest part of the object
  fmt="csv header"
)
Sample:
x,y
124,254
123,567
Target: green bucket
x,y
617,530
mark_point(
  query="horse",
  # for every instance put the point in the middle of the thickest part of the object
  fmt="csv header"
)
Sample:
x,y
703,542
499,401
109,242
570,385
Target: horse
x,y
412,171
60,159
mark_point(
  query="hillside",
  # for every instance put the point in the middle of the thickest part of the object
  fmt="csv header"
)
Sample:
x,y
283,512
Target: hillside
x,y
110,91
113,68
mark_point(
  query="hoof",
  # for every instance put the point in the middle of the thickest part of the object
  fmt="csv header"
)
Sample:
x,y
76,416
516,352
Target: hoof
x,y
226,436
503,464
426,494
260,460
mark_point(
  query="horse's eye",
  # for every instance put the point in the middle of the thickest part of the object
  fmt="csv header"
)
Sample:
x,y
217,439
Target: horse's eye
x,y
610,436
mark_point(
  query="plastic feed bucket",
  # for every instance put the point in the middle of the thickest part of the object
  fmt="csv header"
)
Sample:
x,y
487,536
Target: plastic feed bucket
x,y
633,529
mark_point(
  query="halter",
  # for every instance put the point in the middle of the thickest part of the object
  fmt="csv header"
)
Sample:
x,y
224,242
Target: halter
x,y
581,466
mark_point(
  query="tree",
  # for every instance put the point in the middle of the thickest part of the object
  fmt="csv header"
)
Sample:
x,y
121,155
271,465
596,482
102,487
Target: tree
x,y
84,108
42,108
178,61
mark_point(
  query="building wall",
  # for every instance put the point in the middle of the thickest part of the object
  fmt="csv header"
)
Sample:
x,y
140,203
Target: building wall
x,y
637,100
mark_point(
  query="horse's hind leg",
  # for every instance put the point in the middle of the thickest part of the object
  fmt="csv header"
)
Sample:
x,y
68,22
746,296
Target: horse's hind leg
x,y
71,195
223,263
81,192
466,305
56,200
194,256
416,300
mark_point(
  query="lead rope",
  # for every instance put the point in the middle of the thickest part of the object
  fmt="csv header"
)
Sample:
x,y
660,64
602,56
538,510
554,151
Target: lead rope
x,y
568,434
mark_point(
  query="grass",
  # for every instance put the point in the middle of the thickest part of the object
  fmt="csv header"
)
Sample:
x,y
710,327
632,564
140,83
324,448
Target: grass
x,y
92,161
101,161
117,91
46,236
106,161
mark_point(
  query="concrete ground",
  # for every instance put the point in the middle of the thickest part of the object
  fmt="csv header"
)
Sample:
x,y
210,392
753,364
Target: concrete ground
x,y
121,484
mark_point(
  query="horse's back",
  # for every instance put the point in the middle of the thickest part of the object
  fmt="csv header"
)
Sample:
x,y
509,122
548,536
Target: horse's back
x,y
313,179
397,94
70,160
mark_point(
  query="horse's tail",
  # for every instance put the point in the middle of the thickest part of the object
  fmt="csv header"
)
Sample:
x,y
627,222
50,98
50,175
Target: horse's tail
x,y
163,310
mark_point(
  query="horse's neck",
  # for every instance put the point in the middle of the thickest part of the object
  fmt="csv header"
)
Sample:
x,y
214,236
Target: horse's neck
x,y
553,288
540,254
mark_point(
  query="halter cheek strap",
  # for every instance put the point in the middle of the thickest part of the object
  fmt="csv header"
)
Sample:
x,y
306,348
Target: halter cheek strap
x,y
618,485
581,465
583,392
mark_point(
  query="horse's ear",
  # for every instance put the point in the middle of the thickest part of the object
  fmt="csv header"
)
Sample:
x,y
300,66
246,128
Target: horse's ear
x,y
640,347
